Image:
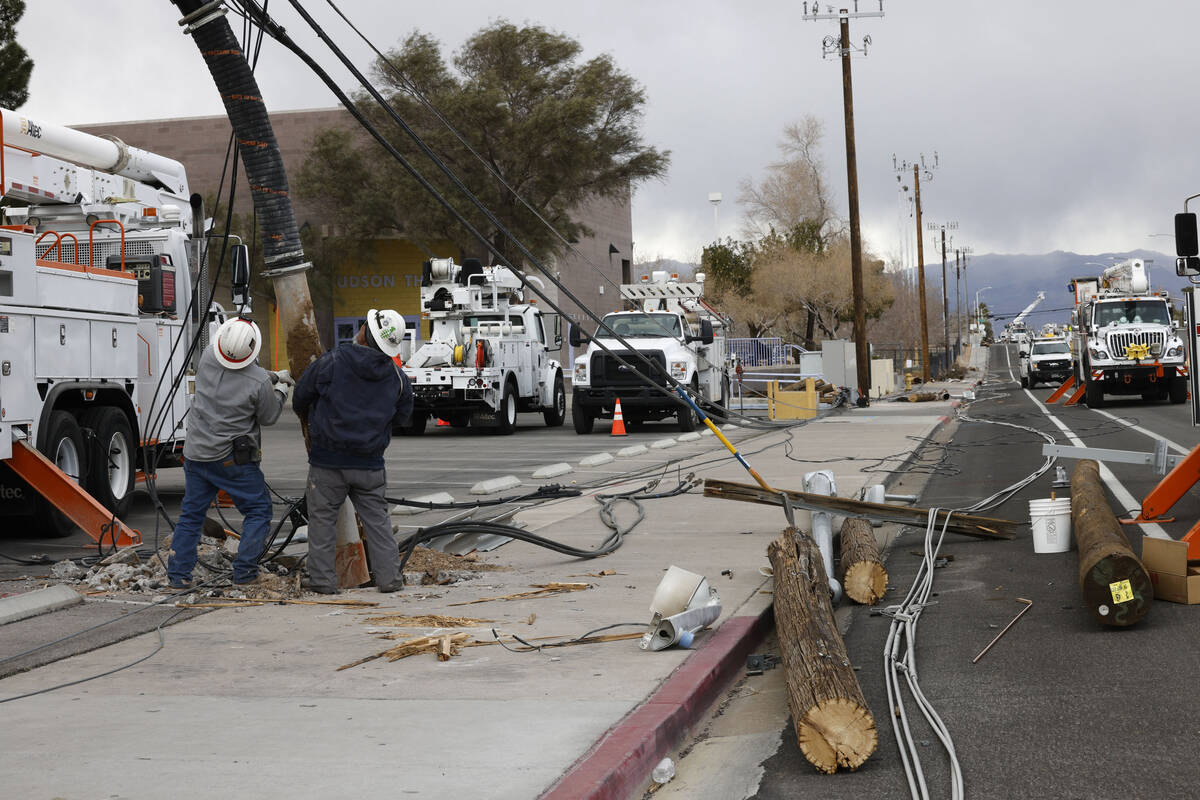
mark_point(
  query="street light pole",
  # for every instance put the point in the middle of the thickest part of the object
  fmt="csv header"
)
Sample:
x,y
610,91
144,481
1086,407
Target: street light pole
x,y
843,47
978,310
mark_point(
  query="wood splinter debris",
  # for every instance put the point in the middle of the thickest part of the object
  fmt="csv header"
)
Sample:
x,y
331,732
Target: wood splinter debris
x,y
540,590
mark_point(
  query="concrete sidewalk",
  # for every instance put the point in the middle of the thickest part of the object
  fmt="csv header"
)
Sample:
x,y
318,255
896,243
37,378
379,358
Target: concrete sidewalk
x,y
249,700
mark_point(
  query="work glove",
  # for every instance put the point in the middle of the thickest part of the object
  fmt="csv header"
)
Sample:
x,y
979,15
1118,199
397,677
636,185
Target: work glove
x,y
283,376
283,389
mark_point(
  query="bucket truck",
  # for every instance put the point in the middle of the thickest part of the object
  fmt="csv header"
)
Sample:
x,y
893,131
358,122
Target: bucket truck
x,y
489,351
96,274
1125,340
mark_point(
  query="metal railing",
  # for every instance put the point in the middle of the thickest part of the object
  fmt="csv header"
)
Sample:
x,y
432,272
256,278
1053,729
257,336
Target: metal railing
x,y
766,351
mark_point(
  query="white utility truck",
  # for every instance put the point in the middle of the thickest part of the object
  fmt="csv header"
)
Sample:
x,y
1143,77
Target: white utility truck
x,y
1125,339
96,270
1047,360
489,353
674,332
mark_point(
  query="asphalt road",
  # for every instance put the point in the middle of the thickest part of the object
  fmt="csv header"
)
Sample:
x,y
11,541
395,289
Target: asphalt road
x,y
1060,707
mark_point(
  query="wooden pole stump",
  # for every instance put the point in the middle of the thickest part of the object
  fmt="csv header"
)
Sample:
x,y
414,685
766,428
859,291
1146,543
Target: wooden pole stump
x,y
1116,587
834,727
863,577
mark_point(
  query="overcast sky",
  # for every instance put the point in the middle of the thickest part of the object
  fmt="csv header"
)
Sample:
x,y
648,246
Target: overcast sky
x,y
1063,125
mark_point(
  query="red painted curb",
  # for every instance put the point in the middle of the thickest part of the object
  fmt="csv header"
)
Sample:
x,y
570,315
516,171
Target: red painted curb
x,y
619,764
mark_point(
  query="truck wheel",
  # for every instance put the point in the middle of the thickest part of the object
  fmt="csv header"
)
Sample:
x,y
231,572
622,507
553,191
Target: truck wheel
x,y
416,425
557,412
1094,394
64,446
459,420
506,414
1179,390
688,419
111,463
584,420
1024,382
1032,382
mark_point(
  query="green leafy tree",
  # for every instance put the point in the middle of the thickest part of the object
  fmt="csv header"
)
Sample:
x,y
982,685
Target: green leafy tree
x,y
558,130
15,64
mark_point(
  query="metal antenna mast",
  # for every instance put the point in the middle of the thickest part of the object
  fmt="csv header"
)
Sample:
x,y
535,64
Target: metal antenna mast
x,y
842,46
918,169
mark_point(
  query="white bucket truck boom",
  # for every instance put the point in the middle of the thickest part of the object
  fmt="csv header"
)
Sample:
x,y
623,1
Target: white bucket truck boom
x,y
674,332
1125,339
489,351
95,290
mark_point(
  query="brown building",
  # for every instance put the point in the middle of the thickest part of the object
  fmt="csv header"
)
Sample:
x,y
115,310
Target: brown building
x,y
392,280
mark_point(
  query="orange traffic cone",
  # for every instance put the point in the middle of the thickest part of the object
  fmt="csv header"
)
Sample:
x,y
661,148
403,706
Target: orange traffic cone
x,y
618,425
442,422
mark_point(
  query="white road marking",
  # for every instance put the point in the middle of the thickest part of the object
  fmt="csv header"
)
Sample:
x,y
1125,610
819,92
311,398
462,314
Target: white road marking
x,y
1124,497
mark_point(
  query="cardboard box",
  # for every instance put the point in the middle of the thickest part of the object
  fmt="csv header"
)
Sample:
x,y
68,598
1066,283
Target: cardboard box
x,y
1166,561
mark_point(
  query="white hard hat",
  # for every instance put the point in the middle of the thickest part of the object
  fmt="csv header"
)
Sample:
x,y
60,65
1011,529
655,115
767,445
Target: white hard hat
x,y
387,328
237,343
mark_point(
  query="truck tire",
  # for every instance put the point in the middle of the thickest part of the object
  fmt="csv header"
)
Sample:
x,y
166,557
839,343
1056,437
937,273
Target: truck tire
x,y
557,412
415,426
688,419
65,447
111,461
506,414
583,419
1032,382
1024,382
1093,394
460,419
1178,393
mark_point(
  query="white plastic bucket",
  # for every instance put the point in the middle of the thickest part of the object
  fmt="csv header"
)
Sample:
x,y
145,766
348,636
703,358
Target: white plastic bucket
x,y
1051,523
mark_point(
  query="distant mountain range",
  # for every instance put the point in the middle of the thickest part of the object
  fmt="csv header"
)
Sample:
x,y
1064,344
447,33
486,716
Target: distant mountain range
x,y
1016,280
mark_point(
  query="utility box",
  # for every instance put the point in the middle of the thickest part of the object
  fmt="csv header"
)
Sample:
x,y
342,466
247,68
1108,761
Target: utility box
x,y
1167,562
883,377
838,363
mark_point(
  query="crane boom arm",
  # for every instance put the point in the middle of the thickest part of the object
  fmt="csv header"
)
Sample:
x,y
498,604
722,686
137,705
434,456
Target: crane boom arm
x,y
109,155
1029,308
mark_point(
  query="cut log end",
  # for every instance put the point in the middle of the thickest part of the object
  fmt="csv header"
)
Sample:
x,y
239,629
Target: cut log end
x,y
866,582
837,733
1117,590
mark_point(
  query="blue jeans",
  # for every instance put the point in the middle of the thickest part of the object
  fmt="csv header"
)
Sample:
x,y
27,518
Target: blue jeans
x,y
248,488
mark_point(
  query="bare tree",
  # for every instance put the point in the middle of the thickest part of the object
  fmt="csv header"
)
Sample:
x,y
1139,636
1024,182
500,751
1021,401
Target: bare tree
x,y
794,190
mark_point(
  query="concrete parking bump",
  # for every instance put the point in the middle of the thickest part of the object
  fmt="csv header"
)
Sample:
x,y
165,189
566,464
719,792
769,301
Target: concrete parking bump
x,y
729,426
706,432
494,485
597,459
39,601
436,497
633,450
663,444
553,470
690,437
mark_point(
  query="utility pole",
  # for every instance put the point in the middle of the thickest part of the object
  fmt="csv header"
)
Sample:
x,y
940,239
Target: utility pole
x,y
842,46
966,253
958,294
917,169
933,226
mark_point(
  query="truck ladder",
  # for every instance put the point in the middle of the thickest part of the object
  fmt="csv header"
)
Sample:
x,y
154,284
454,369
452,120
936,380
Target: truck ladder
x,y
69,497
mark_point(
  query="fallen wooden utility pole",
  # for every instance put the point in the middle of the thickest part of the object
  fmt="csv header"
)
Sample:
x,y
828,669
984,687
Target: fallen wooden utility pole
x,y
967,524
864,578
1116,587
834,726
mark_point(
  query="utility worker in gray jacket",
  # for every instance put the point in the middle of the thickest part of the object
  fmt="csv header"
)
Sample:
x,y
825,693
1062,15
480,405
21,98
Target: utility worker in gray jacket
x,y
234,397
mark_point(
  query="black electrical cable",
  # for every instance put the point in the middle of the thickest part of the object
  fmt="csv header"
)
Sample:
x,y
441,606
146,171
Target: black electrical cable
x,y
29,562
549,491
561,642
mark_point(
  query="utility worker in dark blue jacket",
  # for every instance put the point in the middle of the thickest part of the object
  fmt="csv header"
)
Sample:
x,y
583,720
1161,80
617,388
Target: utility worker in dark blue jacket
x,y
352,396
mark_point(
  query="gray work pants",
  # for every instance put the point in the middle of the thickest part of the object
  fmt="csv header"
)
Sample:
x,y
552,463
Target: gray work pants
x,y
327,489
